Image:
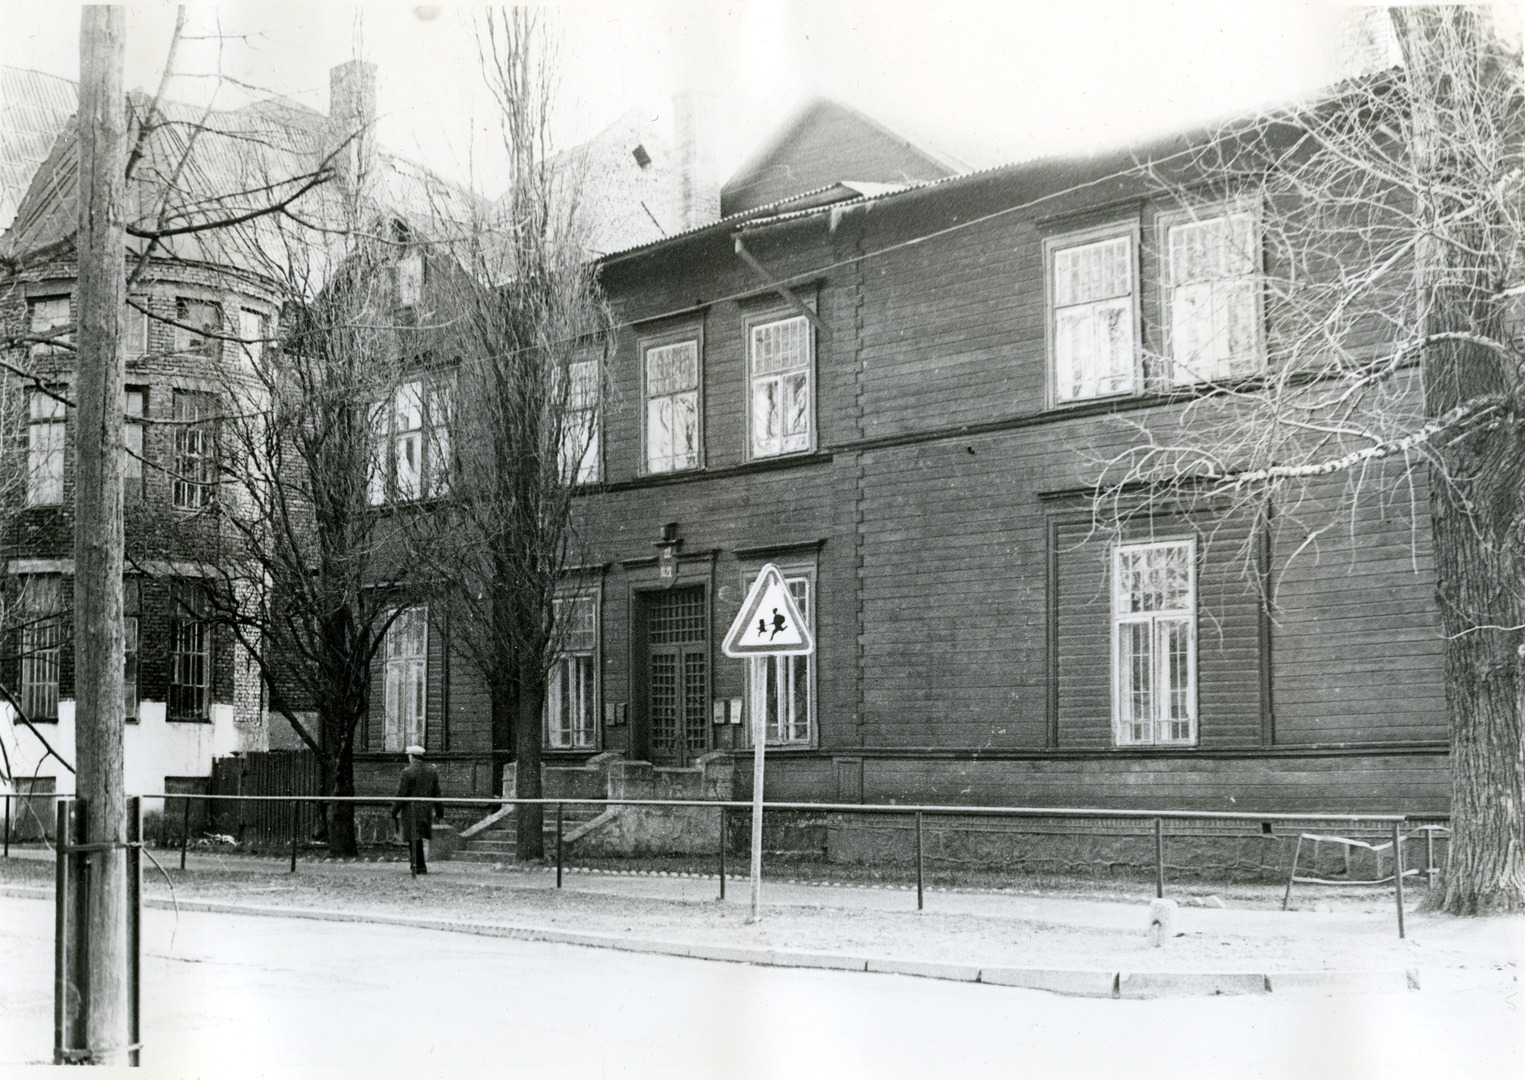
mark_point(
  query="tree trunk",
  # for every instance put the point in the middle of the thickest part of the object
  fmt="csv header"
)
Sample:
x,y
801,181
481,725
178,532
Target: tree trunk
x,y
501,699
341,815
98,525
529,842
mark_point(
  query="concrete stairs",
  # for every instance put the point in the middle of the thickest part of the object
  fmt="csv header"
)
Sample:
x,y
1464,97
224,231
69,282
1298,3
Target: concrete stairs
x,y
492,841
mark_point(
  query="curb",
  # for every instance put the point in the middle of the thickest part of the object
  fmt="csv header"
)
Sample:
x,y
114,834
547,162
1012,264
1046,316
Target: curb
x,y
1066,981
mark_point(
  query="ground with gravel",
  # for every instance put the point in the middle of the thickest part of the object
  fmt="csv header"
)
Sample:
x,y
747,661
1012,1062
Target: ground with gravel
x,y
1074,926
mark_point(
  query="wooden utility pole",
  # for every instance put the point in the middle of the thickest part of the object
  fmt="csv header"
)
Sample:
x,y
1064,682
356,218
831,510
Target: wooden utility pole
x,y
100,295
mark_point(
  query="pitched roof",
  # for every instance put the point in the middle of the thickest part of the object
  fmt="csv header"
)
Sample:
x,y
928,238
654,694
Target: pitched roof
x,y
33,109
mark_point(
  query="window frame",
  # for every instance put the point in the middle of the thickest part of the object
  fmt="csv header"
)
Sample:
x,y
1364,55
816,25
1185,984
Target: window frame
x,y
60,345
1201,213
1129,229
193,474
253,340
594,658
134,427
47,437
208,341
41,643
753,323
752,694
590,464
395,736
434,443
1122,720
132,649
188,616
644,345
135,327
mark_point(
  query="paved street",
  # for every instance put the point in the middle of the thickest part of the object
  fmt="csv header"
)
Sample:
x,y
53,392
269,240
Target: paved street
x,y
236,995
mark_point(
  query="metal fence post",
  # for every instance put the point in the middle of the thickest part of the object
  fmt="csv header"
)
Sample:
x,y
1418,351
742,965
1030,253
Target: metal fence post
x,y
7,826
722,853
1398,872
61,901
185,827
293,836
1159,858
558,845
134,855
1430,869
920,868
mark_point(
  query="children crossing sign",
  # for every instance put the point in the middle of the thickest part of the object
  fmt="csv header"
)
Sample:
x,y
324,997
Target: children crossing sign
x,y
769,622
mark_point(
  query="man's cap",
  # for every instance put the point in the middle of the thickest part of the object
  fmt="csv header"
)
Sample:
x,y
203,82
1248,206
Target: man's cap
x,y
415,750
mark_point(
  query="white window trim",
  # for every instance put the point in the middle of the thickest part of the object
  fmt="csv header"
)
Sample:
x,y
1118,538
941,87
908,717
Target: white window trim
x,y
399,739
753,324
58,346
1121,736
188,491
753,692
657,341
592,595
434,444
1201,213
1129,229
47,439
589,466
42,638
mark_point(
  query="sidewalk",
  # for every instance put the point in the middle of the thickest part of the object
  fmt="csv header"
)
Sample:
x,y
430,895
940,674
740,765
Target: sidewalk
x,y
1094,946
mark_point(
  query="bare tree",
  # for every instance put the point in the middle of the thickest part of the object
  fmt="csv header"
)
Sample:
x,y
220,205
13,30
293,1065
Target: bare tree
x,y
525,323
1392,215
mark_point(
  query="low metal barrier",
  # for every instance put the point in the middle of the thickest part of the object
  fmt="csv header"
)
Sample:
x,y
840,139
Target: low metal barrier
x,y
918,813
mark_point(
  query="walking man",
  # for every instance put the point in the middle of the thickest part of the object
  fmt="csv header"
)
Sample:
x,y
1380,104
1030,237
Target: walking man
x,y
419,781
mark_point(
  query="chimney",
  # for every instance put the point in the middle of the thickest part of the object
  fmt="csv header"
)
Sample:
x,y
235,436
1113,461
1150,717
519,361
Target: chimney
x,y
351,121
698,186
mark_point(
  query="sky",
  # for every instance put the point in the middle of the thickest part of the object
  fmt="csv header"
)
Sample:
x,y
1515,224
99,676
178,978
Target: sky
x,y
982,83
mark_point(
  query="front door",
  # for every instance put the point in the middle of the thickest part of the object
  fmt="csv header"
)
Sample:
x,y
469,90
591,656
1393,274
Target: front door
x,y
678,676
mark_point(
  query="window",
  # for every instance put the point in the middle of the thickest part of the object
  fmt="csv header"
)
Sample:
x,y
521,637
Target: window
x,y
580,459
571,707
1211,295
190,653
672,406
1093,322
134,405
200,327
411,457
195,470
45,449
781,688
410,279
47,315
407,647
780,372
42,635
130,608
253,329
135,327
1154,643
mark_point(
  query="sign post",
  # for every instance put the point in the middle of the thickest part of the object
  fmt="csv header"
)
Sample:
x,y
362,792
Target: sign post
x,y
768,624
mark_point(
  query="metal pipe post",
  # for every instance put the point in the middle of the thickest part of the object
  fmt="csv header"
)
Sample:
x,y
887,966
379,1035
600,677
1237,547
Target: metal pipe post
x,y
134,926
1398,872
920,868
185,827
1430,869
759,741
7,826
293,836
558,845
61,930
722,853
1159,858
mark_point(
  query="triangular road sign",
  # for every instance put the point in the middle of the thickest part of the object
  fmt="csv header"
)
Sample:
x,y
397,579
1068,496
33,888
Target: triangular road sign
x,y
769,623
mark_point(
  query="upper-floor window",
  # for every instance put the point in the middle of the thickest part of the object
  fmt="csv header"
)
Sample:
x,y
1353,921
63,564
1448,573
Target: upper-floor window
x,y
134,408
253,330
1093,313
190,653
672,406
406,678
580,450
780,370
195,465
571,698
200,326
131,607
1154,643
410,279
45,450
135,327
410,457
42,635
781,689
47,317
1211,291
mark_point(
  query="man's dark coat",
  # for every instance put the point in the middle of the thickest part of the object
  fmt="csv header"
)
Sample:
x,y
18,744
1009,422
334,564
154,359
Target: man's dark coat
x,y
418,781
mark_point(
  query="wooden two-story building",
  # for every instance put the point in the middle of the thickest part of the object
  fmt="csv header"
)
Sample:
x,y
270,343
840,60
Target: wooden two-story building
x,y
899,389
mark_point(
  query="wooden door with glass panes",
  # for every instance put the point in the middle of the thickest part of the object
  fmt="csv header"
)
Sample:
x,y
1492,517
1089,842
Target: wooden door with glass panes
x,y
677,671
